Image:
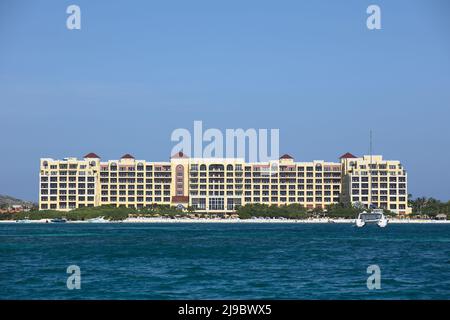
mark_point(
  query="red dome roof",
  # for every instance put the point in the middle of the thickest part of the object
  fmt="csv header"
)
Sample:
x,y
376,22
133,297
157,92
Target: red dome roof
x,y
347,155
179,155
127,156
286,156
92,155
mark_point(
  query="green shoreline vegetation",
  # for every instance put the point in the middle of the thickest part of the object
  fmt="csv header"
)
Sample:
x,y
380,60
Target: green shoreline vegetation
x,y
422,208
113,213
108,212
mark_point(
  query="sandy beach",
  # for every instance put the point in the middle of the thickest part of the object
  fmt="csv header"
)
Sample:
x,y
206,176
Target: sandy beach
x,y
203,220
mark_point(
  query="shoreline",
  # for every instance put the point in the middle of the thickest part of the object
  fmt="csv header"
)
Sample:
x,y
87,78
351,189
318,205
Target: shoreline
x,y
228,221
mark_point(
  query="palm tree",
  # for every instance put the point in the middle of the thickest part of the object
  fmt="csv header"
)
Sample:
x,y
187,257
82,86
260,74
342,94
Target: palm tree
x,y
419,204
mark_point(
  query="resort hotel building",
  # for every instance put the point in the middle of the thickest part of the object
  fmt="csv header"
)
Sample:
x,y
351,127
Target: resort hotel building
x,y
220,185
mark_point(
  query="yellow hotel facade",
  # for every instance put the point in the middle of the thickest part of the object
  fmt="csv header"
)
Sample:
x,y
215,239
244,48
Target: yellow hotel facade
x,y
220,185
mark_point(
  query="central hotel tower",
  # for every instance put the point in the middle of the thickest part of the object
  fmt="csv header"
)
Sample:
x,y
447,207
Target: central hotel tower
x,y
220,185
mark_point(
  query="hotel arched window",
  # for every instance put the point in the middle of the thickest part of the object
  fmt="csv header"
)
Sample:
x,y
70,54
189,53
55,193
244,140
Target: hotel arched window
x,y
219,167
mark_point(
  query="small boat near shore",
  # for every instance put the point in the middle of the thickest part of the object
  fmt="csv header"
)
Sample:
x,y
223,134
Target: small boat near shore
x,y
375,216
98,220
58,220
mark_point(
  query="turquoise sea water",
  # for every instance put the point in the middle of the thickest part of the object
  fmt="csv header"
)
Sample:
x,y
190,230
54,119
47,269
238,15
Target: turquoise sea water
x,y
224,261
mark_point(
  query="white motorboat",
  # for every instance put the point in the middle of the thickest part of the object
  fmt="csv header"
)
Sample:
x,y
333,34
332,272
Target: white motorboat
x,y
375,216
98,220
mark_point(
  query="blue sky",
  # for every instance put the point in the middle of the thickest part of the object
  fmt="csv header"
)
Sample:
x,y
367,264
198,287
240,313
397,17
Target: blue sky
x,y
137,70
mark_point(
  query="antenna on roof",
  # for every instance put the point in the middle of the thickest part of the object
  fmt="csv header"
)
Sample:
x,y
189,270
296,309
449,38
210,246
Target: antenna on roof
x,y
370,169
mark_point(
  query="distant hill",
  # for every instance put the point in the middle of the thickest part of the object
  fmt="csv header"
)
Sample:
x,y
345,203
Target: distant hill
x,y
9,201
